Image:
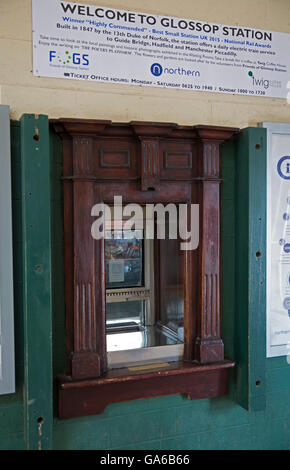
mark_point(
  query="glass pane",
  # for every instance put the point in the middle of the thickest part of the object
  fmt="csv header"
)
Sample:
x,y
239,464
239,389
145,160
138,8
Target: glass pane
x,y
124,259
155,317
130,313
171,287
149,336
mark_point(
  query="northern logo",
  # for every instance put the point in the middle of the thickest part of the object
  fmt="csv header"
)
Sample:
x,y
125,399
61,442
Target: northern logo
x,y
157,70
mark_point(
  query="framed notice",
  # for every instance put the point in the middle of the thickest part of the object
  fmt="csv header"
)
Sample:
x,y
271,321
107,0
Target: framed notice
x,y
7,374
278,239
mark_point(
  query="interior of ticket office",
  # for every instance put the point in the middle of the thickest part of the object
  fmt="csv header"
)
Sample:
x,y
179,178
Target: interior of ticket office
x,y
130,342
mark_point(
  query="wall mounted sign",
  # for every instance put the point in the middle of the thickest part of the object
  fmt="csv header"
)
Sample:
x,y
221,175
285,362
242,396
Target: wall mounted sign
x,y
7,358
102,44
278,239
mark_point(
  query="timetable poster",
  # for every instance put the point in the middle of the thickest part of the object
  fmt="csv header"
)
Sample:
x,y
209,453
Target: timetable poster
x,y
278,242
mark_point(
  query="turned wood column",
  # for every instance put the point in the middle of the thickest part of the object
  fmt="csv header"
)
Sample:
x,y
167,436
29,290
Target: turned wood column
x,y
89,348
208,343
84,256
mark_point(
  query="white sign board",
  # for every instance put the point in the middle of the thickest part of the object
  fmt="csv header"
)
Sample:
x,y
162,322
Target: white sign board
x,y
278,239
102,44
7,359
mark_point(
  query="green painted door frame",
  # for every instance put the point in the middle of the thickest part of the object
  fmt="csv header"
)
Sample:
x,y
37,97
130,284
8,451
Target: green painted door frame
x,y
250,337
36,236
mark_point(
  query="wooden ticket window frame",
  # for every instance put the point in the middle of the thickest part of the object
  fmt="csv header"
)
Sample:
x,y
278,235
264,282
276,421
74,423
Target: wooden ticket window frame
x,y
143,162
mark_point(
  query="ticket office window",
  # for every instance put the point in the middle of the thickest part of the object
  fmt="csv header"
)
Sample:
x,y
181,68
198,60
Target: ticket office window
x,y
144,298
143,318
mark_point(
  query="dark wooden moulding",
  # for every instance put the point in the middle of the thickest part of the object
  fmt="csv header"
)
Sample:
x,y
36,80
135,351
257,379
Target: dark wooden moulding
x,y
144,162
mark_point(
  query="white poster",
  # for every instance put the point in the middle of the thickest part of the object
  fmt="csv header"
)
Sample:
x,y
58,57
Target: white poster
x,y
278,240
102,44
116,270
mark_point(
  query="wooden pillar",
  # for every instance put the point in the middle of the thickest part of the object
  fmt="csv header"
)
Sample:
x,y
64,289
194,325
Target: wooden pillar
x,y
84,262
208,343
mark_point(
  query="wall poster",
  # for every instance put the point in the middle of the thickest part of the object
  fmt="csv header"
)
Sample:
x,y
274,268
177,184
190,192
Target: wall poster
x,y
102,44
278,239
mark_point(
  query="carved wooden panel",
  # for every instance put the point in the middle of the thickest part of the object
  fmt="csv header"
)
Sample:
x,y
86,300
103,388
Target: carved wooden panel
x,y
113,155
150,165
178,160
114,158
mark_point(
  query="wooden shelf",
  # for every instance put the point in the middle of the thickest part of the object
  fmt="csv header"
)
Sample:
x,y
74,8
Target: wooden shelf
x,y
91,396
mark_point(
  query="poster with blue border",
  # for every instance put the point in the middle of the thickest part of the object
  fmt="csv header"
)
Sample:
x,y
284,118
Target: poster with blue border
x,y
278,239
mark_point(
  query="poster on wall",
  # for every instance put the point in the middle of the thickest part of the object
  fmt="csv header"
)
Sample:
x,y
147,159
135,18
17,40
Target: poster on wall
x,y
7,355
278,239
103,44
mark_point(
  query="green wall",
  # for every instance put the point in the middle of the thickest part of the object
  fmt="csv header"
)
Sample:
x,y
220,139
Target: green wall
x,y
172,422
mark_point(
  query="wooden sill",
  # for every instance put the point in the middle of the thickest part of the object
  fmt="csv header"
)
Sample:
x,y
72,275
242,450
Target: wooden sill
x,y
91,396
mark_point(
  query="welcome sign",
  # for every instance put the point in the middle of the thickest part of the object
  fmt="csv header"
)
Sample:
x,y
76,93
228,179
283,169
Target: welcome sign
x,y
95,43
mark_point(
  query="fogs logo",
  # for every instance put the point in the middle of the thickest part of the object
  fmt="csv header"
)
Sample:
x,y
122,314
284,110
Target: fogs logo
x,y
69,58
262,82
157,70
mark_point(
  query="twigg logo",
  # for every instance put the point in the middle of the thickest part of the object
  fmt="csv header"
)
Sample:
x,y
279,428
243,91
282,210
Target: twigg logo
x,y
263,82
69,58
